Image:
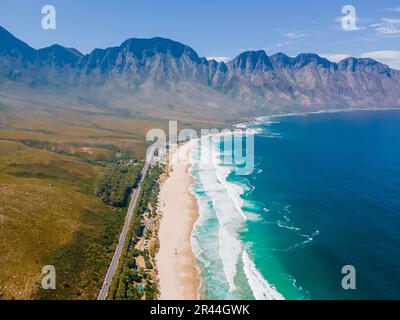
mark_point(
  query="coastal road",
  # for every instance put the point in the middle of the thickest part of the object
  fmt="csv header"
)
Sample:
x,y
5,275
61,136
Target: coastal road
x,y
118,251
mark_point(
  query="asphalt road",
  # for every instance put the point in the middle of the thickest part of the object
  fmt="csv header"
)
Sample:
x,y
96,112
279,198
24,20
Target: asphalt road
x,y
118,251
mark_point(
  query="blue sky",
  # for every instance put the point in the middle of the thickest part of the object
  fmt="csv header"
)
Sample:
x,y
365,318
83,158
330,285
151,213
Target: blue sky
x,y
215,28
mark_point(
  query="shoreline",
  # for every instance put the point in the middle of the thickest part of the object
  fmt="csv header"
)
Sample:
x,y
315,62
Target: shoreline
x,y
306,113
188,275
261,119
177,272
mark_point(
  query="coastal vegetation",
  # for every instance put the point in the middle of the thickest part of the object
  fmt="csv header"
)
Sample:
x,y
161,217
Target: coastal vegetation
x,y
49,215
136,276
114,185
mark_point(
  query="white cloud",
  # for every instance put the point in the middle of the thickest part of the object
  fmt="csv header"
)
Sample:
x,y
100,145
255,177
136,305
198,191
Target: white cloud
x,y
387,27
248,49
356,27
389,57
294,35
219,59
395,9
334,57
284,44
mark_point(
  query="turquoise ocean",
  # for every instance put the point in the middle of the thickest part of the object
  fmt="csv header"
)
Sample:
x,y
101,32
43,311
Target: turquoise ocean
x,y
325,193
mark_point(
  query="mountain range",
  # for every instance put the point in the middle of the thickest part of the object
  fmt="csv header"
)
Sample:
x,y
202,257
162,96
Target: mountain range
x,y
160,77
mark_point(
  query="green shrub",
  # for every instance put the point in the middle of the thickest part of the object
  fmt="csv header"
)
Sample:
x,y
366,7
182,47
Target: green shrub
x,y
114,186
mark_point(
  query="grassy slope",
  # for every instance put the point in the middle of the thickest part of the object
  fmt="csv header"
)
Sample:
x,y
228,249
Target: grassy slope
x,y
49,213
46,202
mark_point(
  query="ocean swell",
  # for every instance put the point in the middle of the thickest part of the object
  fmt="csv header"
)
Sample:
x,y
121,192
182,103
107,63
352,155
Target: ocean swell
x,y
222,218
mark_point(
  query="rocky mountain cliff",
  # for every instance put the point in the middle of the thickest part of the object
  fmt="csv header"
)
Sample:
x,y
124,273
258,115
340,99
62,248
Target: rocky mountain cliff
x,y
150,76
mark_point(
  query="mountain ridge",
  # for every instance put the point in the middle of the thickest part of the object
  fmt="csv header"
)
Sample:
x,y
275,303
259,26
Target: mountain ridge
x,y
168,74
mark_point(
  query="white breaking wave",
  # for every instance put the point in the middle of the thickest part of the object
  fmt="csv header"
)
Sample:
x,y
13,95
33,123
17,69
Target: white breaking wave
x,y
227,203
234,191
260,287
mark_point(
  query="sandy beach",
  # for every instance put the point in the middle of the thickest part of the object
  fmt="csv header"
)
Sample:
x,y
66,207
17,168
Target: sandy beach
x,y
177,272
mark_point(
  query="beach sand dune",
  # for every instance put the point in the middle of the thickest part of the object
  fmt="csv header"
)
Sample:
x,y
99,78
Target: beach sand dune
x,y
178,276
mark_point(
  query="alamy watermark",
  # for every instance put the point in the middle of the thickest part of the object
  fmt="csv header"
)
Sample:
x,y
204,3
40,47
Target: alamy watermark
x,y
349,18
49,20
49,278
237,147
349,280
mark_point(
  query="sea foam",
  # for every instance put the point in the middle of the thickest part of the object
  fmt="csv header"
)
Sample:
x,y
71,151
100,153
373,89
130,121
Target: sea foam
x,y
216,195
213,179
262,290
